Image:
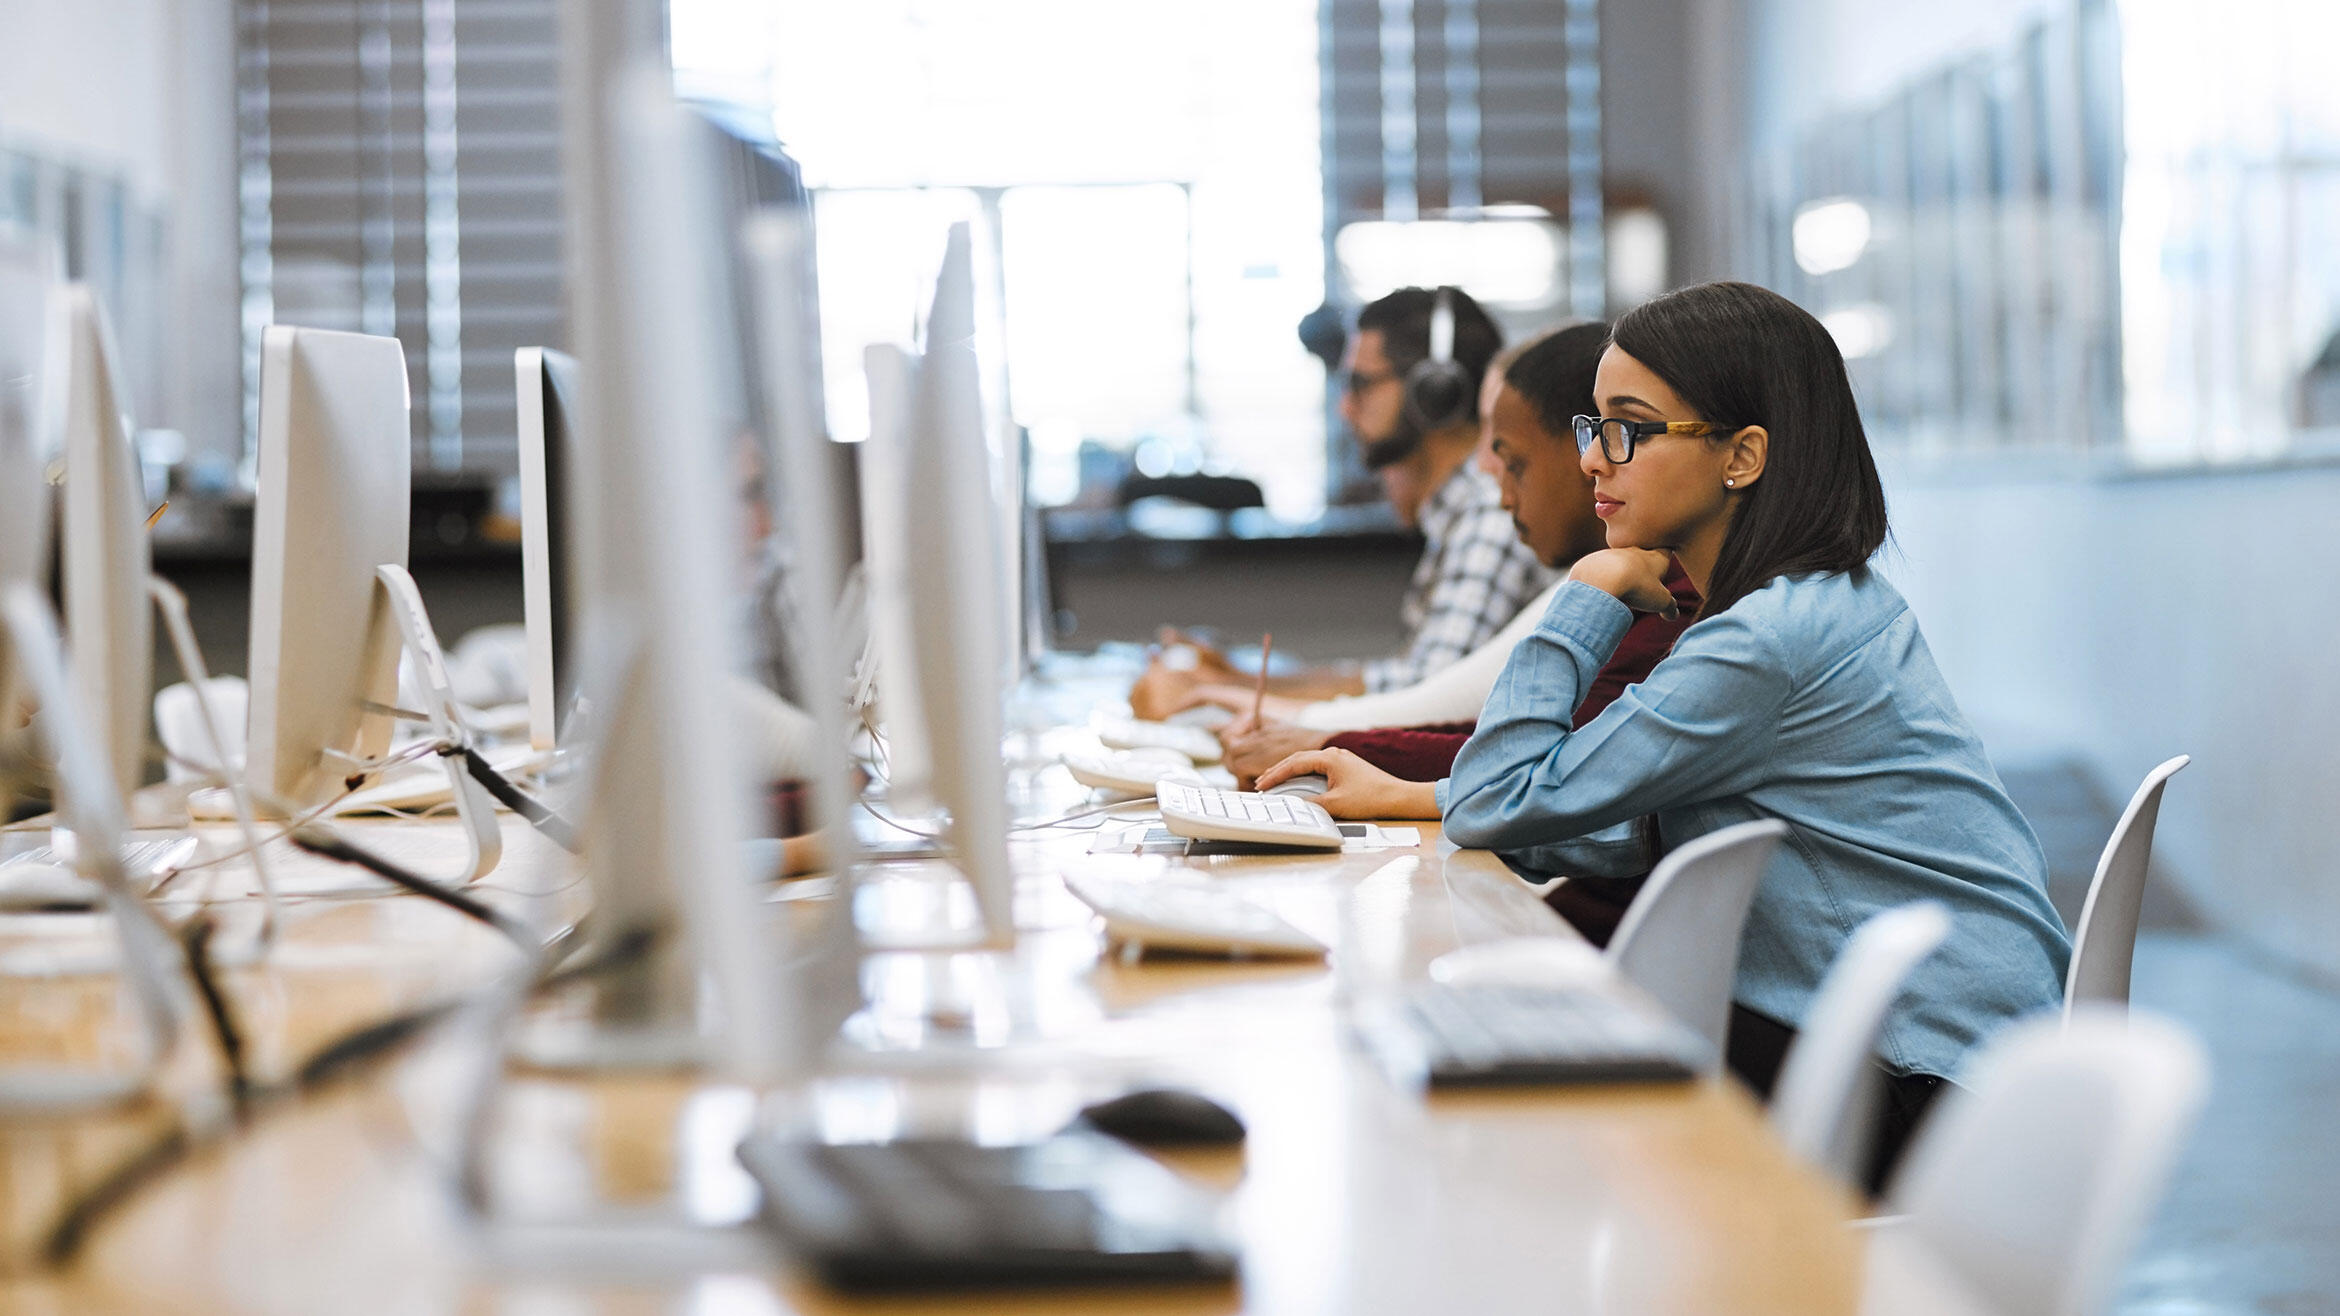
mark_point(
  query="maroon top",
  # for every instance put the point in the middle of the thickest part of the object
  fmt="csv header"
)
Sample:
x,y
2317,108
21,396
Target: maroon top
x,y
1427,753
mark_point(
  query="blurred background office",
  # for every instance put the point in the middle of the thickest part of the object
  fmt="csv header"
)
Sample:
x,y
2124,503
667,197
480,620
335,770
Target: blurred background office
x,y
2078,254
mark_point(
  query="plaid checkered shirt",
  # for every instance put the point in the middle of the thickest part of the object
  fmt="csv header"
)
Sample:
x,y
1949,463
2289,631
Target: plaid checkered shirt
x,y
1474,576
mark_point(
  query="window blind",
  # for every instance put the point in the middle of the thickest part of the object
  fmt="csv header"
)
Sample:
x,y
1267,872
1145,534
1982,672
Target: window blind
x,y
400,175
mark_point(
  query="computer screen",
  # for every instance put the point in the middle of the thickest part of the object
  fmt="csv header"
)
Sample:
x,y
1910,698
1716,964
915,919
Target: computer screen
x,y
330,505
757,183
26,271
669,801
957,578
548,393
109,630
26,277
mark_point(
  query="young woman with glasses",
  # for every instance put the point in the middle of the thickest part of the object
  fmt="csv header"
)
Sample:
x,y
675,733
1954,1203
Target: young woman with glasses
x,y
1804,692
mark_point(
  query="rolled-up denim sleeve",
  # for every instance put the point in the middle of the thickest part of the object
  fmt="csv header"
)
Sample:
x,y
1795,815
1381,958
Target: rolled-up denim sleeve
x,y
1701,725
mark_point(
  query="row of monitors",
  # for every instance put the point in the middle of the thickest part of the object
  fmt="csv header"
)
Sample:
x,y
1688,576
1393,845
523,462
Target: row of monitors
x,y
333,487
625,556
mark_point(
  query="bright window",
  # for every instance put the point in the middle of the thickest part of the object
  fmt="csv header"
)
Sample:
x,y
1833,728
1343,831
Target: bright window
x,y
2230,288
1146,190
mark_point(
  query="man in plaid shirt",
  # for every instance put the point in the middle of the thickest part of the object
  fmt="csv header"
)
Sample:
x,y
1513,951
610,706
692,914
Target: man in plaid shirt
x,y
1474,574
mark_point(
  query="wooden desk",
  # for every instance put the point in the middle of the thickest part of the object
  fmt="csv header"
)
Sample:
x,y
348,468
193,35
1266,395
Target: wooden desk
x,y
1350,1195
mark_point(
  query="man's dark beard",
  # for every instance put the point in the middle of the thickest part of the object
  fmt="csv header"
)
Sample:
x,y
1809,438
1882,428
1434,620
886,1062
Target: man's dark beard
x,y
1391,448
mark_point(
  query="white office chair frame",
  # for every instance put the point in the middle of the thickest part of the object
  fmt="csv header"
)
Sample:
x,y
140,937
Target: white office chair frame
x,y
1824,1105
2105,941
1680,940
2034,1182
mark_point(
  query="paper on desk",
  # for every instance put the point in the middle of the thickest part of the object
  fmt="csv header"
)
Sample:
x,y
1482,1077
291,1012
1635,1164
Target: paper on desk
x,y
1151,838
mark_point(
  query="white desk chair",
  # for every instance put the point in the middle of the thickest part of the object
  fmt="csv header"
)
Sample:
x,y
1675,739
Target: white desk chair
x,y
1824,1105
1680,940
2033,1183
2106,940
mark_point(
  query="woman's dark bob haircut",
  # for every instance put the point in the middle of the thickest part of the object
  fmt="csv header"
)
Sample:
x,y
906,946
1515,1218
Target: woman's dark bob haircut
x,y
1744,355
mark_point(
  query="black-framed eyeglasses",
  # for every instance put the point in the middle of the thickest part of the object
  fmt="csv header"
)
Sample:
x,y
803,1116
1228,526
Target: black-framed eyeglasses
x,y
1618,437
1356,382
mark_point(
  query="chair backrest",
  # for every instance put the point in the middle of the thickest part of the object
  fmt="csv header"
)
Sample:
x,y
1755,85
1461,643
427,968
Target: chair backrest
x,y
2106,940
1680,940
1825,1100
2034,1181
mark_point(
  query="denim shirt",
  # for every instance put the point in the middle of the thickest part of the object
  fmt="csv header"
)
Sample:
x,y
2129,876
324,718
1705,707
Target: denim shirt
x,y
1813,700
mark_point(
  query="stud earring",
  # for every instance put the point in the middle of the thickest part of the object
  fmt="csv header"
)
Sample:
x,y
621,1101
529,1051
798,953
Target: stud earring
x,y
1730,484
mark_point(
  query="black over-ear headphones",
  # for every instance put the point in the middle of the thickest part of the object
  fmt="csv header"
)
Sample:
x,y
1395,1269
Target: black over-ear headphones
x,y
1439,392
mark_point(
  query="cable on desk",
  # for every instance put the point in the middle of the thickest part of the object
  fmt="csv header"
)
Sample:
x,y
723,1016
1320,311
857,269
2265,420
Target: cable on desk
x,y
280,834
344,1053
82,1213
1078,814
896,823
335,1059
560,831
340,1058
196,934
326,843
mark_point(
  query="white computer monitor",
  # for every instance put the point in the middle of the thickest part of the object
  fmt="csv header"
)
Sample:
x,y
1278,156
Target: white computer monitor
x,y
26,273
892,375
330,505
958,591
109,630
548,394
810,503
333,607
669,801
26,278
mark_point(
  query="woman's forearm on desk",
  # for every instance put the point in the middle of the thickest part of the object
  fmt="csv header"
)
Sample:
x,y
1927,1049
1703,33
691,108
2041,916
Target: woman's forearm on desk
x,y
1700,725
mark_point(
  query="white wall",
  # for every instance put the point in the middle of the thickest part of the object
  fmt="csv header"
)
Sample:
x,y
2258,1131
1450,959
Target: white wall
x,y
2128,619
2116,620
146,89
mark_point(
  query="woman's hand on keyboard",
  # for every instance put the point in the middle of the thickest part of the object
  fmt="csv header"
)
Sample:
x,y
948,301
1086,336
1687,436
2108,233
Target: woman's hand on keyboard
x,y
1356,789
1251,750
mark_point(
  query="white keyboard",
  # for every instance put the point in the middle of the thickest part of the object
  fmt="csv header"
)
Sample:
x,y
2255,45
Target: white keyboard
x,y
1210,717
1201,813
1128,733
46,881
1177,916
1130,772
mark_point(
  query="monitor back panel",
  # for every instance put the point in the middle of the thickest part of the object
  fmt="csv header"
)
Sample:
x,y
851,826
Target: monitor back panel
x,y
332,504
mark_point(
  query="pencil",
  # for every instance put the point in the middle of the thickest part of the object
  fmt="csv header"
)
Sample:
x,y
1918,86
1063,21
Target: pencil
x,y
156,514
1267,645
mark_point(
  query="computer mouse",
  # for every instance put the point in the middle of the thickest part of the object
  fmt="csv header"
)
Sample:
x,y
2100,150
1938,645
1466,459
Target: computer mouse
x,y
1165,1117
1555,961
1311,784
32,885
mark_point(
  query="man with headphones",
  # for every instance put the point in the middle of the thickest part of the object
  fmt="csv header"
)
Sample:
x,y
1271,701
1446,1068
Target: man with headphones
x,y
1409,392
